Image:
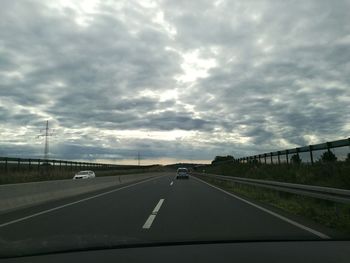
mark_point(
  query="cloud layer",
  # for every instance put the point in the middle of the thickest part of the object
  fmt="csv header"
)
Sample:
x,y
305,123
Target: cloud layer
x,y
184,80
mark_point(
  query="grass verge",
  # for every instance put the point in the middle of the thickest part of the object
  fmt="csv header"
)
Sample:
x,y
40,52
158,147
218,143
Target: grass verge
x,y
327,213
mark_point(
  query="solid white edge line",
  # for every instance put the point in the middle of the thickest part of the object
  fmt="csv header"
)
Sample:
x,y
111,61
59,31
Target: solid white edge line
x,y
76,202
156,209
149,221
308,229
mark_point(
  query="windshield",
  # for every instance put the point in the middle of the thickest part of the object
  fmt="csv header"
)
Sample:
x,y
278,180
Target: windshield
x,y
83,172
251,99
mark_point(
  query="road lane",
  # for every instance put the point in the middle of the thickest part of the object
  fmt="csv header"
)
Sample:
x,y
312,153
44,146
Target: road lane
x,y
190,210
283,218
49,210
26,211
119,214
196,211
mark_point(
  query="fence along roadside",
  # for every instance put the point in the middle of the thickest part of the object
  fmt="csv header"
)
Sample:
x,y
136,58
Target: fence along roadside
x,y
305,149
40,164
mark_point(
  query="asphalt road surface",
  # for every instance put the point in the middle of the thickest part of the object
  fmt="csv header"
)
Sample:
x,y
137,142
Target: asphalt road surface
x,y
157,209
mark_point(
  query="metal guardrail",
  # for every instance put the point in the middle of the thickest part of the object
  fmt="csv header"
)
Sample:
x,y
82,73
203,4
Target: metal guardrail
x,y
325,193
310,148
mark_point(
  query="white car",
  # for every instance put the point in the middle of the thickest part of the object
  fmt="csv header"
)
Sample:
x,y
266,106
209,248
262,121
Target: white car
x,y
84,175
182,173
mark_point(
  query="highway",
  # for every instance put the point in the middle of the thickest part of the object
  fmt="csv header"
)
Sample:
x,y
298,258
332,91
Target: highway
x,y
156,209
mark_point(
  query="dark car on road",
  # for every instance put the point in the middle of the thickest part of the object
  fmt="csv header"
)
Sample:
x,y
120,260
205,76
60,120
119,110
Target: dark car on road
x,y
182,173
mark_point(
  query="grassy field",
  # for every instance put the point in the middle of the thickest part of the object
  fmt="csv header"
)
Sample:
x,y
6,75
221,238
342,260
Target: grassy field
x,y
335,174
55,173
327,213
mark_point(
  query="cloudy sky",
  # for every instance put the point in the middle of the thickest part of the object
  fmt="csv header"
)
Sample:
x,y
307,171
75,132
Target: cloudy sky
x,y
174,80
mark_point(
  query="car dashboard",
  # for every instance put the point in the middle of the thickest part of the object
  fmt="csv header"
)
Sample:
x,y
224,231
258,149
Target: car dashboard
x,y
270,251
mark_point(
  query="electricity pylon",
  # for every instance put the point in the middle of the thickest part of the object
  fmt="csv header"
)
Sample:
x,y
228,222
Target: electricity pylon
x,y
46,133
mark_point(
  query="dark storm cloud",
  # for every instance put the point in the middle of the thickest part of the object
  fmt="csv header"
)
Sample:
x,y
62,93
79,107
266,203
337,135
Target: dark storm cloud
x,y
175,120
148,149
22,116
101,66
123,113
280,74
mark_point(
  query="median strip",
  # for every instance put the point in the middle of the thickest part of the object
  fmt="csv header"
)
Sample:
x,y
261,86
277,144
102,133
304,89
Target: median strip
x,y
150,219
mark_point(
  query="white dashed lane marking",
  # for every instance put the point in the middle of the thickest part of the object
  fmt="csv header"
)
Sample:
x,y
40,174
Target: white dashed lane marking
x,y
150,219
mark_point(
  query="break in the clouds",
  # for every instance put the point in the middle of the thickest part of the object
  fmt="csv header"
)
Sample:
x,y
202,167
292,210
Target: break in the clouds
x,y
173,80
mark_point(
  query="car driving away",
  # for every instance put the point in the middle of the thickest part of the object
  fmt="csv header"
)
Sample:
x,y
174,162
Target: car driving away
x,y
84,175
182,173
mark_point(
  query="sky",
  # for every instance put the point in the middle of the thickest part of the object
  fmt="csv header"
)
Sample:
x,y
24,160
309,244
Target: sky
x,y
175,81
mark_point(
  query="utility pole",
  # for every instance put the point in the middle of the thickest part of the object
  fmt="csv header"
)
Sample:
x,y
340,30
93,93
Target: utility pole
x,y
46,133
138,158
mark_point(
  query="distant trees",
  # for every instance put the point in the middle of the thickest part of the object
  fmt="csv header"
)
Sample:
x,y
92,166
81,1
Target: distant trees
x,y
219,159
295,159
328,156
